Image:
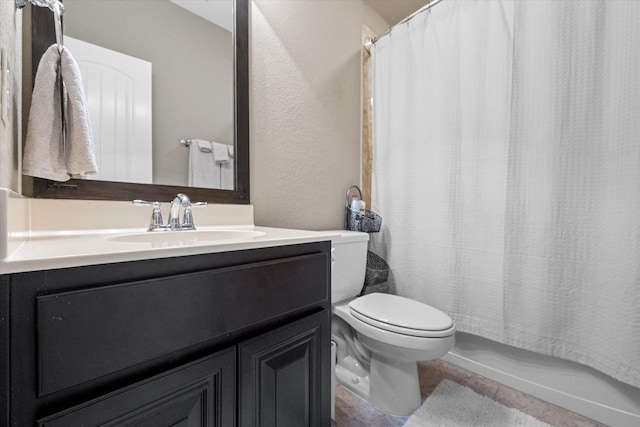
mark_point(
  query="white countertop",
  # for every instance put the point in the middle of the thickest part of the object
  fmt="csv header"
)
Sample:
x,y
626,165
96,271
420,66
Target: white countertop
x,y
44,251
44,234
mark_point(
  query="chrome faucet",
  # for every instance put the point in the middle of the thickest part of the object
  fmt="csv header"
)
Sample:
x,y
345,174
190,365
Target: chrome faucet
x,y
174,214
173,224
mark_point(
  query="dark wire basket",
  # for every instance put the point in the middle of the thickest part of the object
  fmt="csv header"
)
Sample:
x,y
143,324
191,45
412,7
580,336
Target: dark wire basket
x,y
369,222
377,270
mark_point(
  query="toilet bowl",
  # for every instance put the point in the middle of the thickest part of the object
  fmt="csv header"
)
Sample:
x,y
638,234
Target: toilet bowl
x,y
380,337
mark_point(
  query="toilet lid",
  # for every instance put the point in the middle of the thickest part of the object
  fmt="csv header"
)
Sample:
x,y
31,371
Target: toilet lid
x,y
402,315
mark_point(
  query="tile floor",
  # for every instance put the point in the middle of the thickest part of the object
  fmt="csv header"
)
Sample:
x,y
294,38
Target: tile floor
x,y
352,411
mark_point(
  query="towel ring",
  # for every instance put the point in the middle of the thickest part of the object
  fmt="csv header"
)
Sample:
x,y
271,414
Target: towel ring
x,y
58,10
41,3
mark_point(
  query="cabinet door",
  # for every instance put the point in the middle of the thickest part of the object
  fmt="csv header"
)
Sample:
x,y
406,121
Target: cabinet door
x,y
285,375
5,392
199,394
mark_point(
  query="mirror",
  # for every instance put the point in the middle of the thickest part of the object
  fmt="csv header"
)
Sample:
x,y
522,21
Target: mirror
x,y
171,158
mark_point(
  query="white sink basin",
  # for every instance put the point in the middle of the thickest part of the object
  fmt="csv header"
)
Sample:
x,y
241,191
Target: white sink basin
x,y
187,237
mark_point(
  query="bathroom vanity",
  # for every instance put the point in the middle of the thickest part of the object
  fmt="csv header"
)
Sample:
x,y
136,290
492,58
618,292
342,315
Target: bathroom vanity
x,y
234,333
234,338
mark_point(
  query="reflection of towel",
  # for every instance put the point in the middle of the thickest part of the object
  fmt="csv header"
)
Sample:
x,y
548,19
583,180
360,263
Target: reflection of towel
x,y
203,172
46,153
226,172
220,152
204,146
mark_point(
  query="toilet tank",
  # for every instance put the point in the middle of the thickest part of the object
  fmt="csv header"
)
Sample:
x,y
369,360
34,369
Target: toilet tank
x,y
348,264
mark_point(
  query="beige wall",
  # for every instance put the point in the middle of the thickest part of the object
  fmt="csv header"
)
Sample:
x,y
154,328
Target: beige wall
x,y
305,108
10,133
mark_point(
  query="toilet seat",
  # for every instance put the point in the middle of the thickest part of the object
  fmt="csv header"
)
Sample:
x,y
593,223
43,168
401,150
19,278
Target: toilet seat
x,y
401,315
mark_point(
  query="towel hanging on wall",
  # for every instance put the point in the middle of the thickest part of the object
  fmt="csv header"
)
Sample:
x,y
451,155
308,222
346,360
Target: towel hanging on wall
x,y
202,168
227,174
220,152
58,147
204,146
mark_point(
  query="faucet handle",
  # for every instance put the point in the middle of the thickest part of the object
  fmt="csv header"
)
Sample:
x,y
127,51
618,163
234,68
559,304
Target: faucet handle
x,y
156,216
187,216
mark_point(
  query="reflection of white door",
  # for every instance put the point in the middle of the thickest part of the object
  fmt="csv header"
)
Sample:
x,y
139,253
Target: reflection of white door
x,y
118,90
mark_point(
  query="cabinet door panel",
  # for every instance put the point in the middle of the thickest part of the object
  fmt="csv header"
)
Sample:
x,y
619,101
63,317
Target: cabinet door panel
x,y
285,375
200,394
4,350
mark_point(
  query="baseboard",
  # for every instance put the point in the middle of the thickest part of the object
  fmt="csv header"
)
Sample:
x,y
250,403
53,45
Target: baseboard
x,y
600,412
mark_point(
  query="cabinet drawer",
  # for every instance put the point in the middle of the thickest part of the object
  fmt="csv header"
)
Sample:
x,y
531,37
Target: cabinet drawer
x,y
83,335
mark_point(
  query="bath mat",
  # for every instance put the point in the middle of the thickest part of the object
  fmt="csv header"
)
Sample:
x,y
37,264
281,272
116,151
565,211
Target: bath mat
x,y
453,405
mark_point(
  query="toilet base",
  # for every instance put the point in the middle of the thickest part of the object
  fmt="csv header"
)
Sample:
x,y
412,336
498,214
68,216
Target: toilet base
x,y
395,386
392,385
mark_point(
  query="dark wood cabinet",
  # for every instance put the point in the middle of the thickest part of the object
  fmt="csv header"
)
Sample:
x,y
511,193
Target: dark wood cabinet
x,y
5,391
200,394
188,341
281,376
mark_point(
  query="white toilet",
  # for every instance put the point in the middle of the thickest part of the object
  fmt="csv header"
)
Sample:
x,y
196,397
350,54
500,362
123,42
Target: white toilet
x,y
380,337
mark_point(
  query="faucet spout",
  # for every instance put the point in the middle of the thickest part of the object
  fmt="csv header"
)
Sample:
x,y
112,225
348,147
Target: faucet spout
x,y
174,214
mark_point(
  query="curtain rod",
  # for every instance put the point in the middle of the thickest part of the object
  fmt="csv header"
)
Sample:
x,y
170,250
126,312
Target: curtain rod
x,y
369,42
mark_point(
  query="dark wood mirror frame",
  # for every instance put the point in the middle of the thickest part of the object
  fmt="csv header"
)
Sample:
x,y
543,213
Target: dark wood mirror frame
x,y
43,35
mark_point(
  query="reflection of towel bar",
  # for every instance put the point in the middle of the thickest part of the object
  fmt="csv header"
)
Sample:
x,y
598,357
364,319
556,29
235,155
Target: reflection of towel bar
x,y
185,142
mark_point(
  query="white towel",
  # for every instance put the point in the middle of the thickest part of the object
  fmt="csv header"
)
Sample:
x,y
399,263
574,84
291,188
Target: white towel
x,y
203,171
220,152
46,153
227,175
203,145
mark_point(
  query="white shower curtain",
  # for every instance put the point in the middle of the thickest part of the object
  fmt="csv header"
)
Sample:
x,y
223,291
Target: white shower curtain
x,y
507,172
